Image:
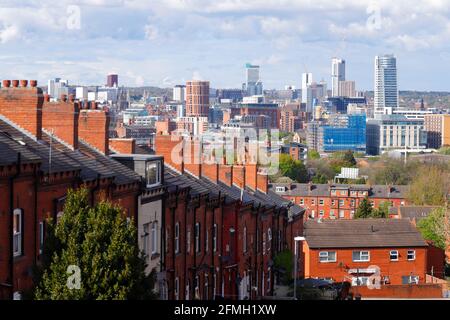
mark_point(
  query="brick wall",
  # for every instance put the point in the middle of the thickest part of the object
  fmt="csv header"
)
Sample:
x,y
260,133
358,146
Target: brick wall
x,y
62,118
239,176
122,145
421,291
94,128
251,174
262,182
225,174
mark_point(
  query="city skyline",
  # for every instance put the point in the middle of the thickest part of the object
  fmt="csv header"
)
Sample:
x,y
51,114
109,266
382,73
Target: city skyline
x,y
216,39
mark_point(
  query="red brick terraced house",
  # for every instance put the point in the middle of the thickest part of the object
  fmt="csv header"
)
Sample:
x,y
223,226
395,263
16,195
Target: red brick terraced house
x,y
338,201
45,149
223,228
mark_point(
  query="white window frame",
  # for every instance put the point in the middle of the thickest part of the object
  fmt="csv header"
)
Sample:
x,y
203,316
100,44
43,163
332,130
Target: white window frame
x,y
321,202
18,232
215,237
326,255
187,291
177,237
197,237
341,214
206,240
264,243
177,288
302,201
154,237
413,253
361,254
188,240
393,253
214,285
158,173
145,239
244,240
205,285
197,288
41,236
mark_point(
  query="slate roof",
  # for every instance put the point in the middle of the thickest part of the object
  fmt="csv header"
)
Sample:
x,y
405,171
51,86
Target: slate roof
x,y
362,233
412,212
203,186
86,159
323,190
9,149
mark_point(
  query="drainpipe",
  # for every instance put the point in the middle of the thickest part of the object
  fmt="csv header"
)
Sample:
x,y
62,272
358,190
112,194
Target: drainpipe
x,y
35,174
256,248
221,248
195,248
212,241
11,222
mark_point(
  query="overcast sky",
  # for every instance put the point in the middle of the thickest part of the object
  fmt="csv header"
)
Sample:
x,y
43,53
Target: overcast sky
x,y
166,42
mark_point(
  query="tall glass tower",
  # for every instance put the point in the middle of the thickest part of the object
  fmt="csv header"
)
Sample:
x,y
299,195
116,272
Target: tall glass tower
x,y
253,84
385,90
337,74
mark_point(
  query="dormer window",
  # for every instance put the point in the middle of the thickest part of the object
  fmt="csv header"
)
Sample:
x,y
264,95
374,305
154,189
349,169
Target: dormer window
x,y
153,173
280,189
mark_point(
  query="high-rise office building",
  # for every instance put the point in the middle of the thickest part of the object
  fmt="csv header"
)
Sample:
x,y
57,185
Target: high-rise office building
x,y
112,80
337,74
179,93
253,85
385,82
346,88
307,91
197,98
57,87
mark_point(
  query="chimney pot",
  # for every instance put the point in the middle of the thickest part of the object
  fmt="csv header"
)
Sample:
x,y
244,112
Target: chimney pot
x,y
24,83
33,83
6,83
64,97
46,97
15,83
71,97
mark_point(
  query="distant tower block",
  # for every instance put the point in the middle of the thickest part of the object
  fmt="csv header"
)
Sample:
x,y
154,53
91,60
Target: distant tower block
x,y
197,98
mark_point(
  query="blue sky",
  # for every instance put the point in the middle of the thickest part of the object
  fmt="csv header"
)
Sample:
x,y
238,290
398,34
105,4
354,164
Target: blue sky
x,y
163,43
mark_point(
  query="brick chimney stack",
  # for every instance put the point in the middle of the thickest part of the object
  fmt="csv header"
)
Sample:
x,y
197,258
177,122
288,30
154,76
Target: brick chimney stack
x,y
93,128
61,118
22,105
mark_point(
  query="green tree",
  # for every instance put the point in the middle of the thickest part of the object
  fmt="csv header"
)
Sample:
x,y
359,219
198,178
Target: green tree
x,y
364,209
313,154
103,245
444,150
382,211
294,169
429,187
435,227
283,261
349,158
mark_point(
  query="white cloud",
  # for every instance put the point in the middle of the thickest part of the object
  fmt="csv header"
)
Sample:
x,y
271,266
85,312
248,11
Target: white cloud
x,y
151,32
8,33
